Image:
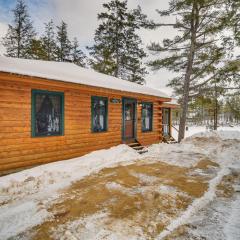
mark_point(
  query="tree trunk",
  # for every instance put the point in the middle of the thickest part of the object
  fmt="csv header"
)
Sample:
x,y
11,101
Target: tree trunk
x,y
215,110
183,118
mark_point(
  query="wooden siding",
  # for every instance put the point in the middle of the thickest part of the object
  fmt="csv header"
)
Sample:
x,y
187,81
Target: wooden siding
x,y
19,149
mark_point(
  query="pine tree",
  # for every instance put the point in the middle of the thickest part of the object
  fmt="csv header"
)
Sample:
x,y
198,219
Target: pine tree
x,y
117,50
194,53
19,35
233,103
36,50
77,56
235,23
63,51
49,42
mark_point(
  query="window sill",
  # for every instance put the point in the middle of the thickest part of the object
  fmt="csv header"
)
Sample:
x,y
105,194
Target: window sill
x,y
44,136
147,131
99,132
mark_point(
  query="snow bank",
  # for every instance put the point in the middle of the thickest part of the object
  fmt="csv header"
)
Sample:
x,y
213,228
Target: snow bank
x,y
221,134
225,147
202,129
25,195
59,174
203,145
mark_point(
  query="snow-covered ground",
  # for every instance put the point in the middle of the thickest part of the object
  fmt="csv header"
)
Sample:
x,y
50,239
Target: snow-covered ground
x,y
133,196
197,129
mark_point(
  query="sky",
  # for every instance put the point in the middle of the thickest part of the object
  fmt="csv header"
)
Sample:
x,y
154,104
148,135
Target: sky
x,y
81,17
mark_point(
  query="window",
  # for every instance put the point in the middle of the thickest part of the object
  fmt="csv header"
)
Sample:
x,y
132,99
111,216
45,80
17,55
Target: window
x,y
99,114
147,114
47,113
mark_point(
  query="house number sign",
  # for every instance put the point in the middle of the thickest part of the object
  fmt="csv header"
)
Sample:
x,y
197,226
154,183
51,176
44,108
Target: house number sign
x,y
115,100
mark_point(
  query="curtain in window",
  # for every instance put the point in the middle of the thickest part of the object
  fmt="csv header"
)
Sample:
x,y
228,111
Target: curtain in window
x,y
147,117
99,114
47,114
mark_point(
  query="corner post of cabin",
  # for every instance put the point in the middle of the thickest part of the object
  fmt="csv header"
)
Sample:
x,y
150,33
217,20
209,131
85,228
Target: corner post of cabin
x,y
160,121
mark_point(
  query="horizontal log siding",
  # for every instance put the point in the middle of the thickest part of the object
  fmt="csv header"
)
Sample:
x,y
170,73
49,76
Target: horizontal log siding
x,y
19,149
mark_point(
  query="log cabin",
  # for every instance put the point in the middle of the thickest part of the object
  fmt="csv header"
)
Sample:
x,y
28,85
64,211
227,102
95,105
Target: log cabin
x,y
52,111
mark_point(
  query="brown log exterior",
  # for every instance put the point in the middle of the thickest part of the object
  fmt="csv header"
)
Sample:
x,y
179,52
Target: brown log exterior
x,y
19,149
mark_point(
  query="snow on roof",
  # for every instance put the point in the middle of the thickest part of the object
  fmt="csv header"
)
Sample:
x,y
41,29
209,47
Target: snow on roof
x,y
69,72
174,101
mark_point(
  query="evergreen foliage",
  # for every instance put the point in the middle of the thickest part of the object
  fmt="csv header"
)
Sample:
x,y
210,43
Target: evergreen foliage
x,y
36,50
198,50
21,40
77,56
233,104
63,43
20,34
49,42
117,50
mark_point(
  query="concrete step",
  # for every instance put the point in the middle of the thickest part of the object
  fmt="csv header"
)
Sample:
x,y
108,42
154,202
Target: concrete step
x,y
171,142
133,144
142,151
138,147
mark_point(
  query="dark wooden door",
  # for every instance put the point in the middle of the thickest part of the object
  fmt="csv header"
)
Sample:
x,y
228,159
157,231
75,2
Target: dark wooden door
x,y
129,120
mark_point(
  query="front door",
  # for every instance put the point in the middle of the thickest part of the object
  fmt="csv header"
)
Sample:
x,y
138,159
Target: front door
x,y
129,117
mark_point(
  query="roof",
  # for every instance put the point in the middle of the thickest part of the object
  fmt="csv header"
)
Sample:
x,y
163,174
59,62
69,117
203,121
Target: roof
x,y
69,72
172,104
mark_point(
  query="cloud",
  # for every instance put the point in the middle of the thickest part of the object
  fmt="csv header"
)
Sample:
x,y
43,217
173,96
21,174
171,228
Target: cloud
x,y
81,17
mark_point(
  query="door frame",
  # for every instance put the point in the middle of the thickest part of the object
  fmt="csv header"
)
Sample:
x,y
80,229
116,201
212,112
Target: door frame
x,y
124,101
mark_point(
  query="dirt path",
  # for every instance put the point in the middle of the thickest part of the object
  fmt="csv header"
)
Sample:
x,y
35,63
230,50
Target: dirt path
x,y
127,202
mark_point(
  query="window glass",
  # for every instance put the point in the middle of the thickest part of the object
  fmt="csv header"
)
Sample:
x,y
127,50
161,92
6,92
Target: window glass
x,y
147,116
99,114
128,112
47,113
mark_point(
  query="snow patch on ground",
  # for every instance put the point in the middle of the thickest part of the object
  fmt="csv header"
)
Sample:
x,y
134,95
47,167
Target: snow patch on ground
x,y
41,185
232,228
184,155
118,187
23,216
144,178
202,129
98,226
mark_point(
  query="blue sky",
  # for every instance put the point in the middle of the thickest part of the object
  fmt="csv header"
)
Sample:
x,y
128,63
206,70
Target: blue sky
x,y
5,10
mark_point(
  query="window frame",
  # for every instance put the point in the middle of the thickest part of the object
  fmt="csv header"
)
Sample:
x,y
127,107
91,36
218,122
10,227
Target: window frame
x,y
33,112
151,123
92,113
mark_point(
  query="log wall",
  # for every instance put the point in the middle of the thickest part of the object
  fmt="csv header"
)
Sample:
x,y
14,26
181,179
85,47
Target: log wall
x,y
19,149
